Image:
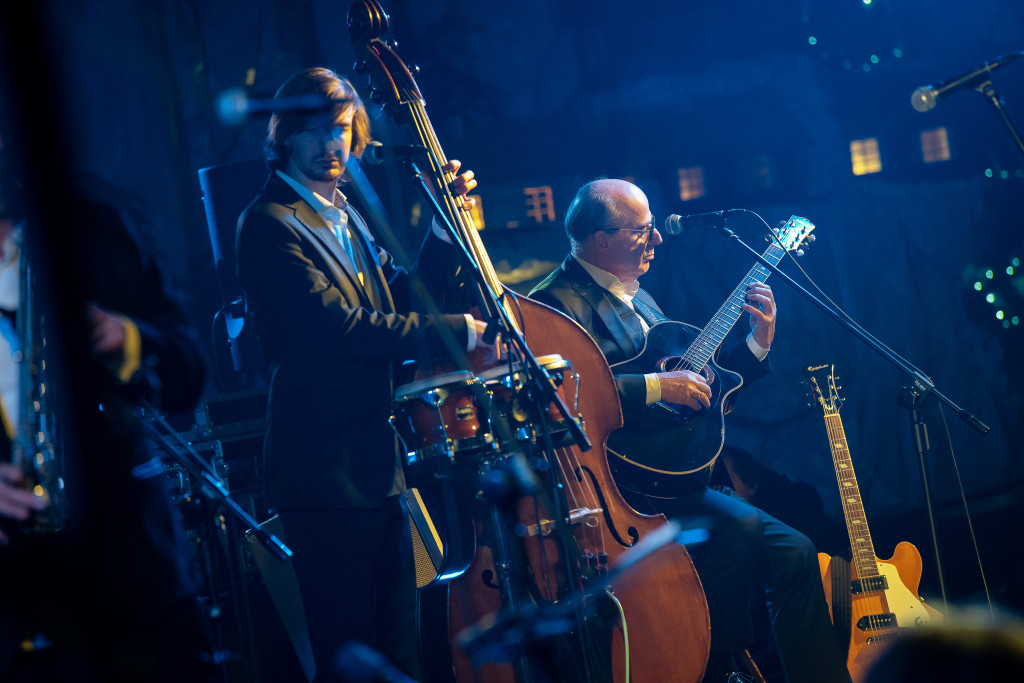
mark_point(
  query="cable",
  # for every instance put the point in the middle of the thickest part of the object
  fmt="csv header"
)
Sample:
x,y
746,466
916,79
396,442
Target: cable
x,y
967,514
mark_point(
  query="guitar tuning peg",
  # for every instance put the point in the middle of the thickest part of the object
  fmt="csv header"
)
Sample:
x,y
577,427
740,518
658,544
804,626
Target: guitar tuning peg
x,y
414,69
799,252
811,238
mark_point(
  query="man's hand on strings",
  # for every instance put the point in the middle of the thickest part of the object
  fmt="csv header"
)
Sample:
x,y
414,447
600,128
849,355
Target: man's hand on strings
x,y
688,388
463,184
761,307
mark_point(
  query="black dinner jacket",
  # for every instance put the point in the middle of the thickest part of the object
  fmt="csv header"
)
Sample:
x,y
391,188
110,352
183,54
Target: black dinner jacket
x,y
617,330
329,350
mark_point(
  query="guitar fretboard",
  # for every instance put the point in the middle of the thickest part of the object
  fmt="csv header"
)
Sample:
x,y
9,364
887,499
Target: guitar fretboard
x,y
853,507
711,337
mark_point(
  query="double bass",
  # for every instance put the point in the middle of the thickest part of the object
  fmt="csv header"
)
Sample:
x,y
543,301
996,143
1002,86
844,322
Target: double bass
x,y
649,625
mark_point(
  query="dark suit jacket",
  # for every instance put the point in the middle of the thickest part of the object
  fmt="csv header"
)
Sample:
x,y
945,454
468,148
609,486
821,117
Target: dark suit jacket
x,y
616,329
329,350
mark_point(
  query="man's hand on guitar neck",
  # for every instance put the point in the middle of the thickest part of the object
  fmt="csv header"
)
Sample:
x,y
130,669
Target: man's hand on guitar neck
x,y
761,307
688,388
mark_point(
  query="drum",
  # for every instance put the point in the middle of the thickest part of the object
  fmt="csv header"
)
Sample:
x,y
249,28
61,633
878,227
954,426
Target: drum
x,y
439,420
512,401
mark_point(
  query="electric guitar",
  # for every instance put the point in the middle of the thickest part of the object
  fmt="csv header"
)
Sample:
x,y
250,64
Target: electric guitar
x,y
883,594
673,440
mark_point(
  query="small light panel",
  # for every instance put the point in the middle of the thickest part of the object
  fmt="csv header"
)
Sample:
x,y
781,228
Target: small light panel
x,y
540,203
691,183
865,157
934,145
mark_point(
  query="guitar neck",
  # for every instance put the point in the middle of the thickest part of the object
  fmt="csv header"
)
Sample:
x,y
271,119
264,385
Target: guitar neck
x,y
862,547
711,337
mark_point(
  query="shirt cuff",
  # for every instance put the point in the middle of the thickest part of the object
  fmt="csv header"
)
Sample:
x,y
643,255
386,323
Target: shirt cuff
x,y
471,329
131,356
759,351
653,387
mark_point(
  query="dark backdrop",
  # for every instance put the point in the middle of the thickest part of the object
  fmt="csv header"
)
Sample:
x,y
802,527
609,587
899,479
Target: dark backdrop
x,y
537,93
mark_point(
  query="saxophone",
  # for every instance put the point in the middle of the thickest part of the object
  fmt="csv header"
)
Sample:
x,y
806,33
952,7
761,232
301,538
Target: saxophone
x,y
36,447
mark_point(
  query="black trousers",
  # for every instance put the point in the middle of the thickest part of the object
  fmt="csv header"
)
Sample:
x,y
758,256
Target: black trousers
x,y
745,545
357,576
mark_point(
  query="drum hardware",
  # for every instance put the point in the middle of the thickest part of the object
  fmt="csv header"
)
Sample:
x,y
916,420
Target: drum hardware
x,y
440,419
514,399
588,516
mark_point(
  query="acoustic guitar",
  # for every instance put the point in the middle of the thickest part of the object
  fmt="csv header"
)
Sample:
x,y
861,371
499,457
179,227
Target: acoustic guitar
x,y
674,440
883,594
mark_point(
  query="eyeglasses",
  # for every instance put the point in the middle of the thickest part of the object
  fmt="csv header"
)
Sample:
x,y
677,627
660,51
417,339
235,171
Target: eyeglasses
x,y
646,230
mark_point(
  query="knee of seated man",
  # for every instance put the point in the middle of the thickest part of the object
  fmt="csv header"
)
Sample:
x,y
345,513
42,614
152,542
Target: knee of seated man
x,y
795,553
744,530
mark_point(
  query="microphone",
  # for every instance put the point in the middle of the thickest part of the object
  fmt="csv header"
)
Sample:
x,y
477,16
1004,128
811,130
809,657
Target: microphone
x,y
677,225
375,152
234,105
927,96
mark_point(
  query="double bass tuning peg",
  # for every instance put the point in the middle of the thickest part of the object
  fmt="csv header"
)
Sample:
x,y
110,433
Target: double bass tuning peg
x,y
361,67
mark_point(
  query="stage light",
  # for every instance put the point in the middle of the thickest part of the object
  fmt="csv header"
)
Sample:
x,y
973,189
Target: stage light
x,y
977,286
874,59
812,40
1000,315
991,298
1009,270
989,274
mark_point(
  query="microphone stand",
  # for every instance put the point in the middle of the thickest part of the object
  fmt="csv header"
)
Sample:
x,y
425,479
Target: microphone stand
x,y
544,392
911,397
996,100
210,485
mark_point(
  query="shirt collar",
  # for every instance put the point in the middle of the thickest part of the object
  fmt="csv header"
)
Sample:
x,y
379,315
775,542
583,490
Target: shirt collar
x,y
624,291
319,204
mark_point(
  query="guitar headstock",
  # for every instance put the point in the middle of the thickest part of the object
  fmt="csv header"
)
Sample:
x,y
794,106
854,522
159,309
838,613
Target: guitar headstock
x,y
391,81
823,388
794,233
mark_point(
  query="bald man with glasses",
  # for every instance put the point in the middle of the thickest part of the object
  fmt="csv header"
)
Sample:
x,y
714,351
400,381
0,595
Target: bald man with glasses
x,y
612,235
